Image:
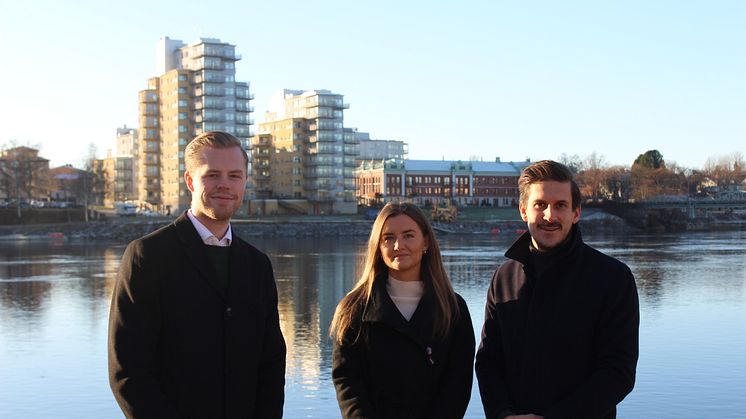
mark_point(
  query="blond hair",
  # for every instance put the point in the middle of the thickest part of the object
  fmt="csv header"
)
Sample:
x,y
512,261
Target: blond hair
x,y
212,139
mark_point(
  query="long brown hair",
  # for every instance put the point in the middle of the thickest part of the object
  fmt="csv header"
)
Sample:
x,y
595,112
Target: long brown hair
x,y
432,272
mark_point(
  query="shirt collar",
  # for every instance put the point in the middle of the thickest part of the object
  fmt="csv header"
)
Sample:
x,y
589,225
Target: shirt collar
x,y
206,235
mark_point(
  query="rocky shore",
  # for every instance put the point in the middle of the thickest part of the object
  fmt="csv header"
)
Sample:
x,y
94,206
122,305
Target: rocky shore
x,y
124,230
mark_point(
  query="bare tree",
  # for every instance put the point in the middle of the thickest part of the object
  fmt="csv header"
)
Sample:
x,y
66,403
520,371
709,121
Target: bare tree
x,y
593,176
574,163
94,179
475,157
617,183
727,170
23,174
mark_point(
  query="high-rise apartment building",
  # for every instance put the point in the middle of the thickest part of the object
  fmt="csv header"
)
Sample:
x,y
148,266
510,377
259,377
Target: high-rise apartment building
x,y
126,142
195,92
371,150
303,151
126,170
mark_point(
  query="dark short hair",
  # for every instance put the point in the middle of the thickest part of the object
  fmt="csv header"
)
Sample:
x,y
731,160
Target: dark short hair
x,y
547,170
212,139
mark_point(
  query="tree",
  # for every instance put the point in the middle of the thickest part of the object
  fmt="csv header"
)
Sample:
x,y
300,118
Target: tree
x,y
93,179
23,174
572,162
593,176
651,159
727,170
617,183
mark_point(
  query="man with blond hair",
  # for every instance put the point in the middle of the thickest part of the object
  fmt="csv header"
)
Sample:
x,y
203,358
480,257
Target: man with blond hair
x,y
194,328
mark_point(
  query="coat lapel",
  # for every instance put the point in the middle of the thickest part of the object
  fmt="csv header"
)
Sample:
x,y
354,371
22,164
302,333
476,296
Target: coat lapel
x,y
382,309
195,250
243,282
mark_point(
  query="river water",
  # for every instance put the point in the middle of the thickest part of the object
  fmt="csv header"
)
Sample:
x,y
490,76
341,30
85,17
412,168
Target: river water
x,y
54,302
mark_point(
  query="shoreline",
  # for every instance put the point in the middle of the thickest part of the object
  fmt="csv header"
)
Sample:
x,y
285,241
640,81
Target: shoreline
x,y
124,230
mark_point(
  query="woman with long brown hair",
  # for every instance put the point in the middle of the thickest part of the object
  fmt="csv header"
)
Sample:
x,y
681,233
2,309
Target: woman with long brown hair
x,y
403,339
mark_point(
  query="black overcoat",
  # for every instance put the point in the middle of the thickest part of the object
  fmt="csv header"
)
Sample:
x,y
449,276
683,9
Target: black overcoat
x,y
390,368
182,346
563,344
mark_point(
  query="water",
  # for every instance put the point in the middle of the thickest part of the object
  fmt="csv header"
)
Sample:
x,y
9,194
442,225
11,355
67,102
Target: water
x,y
54,302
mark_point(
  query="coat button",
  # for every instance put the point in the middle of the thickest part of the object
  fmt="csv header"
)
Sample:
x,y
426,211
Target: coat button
x,y
228,312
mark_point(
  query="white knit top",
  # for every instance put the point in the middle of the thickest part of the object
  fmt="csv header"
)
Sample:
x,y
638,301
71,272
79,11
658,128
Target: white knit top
x,y
405,295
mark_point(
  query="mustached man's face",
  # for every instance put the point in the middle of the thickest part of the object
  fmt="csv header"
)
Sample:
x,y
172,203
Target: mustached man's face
x,y
549,214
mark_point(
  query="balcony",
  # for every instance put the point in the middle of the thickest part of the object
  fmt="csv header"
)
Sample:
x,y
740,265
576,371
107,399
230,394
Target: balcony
x,y
244,106
211,104
208,117
244,94
242,131
224,53
150,123
261,141
148,97
213,91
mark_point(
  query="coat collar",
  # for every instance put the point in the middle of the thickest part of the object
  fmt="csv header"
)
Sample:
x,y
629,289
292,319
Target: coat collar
x,y
381,309
519,250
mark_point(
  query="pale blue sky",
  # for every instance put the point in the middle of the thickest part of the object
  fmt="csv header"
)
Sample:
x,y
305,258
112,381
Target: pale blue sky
x,y
469,78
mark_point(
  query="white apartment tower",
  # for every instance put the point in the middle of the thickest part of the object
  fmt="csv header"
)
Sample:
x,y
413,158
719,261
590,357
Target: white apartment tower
x,y
196,91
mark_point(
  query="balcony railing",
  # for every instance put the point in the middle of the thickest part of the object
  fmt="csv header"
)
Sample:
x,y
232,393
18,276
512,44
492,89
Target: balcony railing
x,y
148,97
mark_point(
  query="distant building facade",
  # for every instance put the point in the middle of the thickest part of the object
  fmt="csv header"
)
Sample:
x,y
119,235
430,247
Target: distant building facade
x,y
372,150
303,152
195,91
70,184
127,147
440,181
115,174
24,174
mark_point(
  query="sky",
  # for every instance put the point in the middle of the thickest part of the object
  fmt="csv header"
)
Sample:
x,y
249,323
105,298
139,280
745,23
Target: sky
x,y
455,80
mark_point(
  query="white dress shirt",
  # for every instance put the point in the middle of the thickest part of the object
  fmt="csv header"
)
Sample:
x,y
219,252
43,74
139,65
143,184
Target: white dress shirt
x,y
207,237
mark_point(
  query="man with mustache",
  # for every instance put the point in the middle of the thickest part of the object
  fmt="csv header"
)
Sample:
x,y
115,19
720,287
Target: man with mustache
x,y
194,328
560,335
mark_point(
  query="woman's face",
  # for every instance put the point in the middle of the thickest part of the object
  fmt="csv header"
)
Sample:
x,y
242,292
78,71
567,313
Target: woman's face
x,y
402,246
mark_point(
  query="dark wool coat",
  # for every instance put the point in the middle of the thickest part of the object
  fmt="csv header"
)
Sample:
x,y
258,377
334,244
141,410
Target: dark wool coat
x,y
561,345
180,345
384,368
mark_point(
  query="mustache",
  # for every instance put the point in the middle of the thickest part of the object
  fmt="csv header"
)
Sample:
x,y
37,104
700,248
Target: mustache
x,y
550,225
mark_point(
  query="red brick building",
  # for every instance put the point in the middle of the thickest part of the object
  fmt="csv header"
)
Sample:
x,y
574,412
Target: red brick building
x,y
436,181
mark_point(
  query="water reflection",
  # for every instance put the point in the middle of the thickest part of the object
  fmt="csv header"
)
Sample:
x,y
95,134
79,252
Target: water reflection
x,y
666,265
312,276
54,301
